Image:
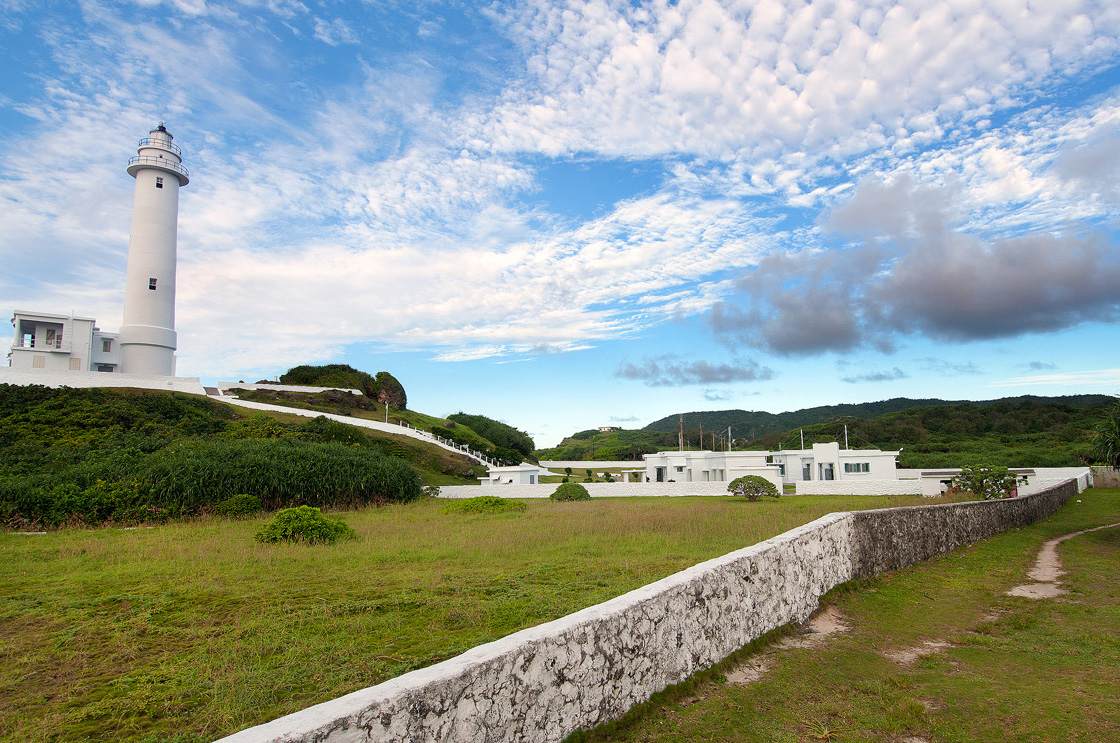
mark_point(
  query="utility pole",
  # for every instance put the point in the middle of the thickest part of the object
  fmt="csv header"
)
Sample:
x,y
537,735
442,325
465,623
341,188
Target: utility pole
x,y
729,438
680,436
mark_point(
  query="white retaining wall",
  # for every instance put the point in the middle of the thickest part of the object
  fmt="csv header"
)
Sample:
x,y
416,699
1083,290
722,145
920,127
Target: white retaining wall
x,y
400,430
579,465
86,379
859,487
225,387
543,683
594,489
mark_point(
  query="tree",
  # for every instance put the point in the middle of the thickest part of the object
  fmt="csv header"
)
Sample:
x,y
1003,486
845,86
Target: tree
x,y
988,483
568,471
1107,443
752,487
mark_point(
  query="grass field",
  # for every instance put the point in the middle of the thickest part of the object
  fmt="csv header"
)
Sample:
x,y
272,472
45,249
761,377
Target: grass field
x,y
188,631
1011,668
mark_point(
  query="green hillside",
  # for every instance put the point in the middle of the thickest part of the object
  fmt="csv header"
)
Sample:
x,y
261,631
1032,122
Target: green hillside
x,y
125,456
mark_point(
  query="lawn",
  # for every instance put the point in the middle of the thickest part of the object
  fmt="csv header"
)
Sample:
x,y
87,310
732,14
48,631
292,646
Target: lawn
x,y
1011,669
188,631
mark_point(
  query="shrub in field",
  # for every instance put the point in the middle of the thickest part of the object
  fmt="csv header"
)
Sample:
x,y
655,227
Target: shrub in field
x,y
989,483
571,491
304,524
238,505
484,504
752,487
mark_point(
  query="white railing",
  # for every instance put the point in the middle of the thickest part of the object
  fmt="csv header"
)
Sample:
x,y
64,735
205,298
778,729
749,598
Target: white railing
x,y
48,345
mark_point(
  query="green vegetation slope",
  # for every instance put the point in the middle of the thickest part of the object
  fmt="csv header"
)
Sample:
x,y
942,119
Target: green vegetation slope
x,y
95,455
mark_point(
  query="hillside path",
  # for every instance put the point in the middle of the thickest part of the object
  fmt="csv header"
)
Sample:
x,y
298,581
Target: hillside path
x,y
394,428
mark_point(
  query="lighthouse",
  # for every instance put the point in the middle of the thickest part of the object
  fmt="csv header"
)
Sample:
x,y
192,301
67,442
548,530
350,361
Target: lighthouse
x,y
147,337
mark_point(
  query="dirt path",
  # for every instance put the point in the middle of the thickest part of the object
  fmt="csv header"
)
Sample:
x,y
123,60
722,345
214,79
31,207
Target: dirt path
x,y
828,621
1048,568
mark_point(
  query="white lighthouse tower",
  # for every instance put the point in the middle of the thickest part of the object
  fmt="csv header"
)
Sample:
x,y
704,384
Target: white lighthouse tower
x,y
147,338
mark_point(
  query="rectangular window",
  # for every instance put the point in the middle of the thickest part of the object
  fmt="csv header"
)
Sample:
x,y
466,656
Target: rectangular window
x,y
75,364
106,345
159,182
850,467
152,284
38,362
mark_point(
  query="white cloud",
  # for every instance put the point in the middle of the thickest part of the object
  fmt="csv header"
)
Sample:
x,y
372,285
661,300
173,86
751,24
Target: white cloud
x,y
1065,379
335,32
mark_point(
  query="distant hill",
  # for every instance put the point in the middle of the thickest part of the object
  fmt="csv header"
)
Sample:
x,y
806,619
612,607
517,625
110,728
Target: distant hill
x,y
1020,431
1028,431
751,425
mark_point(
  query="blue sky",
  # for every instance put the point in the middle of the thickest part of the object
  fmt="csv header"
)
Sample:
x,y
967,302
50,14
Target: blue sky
x,y
570,214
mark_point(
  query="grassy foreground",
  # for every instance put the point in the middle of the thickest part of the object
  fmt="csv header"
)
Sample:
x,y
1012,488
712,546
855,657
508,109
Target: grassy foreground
x,y
1011,669
188,631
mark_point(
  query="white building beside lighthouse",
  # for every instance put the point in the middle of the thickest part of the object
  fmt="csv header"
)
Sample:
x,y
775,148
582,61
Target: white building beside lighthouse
x,y
54,349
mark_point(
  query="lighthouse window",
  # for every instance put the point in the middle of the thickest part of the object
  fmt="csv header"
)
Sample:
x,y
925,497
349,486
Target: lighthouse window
x,y
152,284
159,184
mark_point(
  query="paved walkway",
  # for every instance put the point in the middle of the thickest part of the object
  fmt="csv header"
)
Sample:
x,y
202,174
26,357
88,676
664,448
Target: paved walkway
x,y
394,428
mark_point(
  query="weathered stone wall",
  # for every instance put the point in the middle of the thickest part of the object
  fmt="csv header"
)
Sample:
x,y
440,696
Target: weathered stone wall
x,y
893,538
1106,477
543,683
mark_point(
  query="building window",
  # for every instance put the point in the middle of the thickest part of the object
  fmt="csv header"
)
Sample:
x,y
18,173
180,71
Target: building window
x,y
851,467
106,345
159,182
75,364
105,368
152,284
38,362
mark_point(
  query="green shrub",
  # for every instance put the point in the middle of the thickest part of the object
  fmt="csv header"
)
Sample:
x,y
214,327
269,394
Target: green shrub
x,y
571,491
304,524
988,483
238,505
484,504
752,487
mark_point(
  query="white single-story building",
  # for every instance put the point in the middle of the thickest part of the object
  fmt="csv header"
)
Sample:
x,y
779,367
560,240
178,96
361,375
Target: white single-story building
x,y
62,343
709,466
518,474
830,462
821,462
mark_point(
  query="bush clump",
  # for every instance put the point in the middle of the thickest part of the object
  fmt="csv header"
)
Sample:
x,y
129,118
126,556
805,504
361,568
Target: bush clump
x,y
571,491
484,504
242,504
988,482
752,487
304,524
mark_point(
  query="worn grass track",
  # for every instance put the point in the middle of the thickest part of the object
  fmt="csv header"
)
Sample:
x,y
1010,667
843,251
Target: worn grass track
x,y
191,630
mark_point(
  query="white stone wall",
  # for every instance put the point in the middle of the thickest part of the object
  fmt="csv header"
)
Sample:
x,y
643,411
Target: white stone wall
x,y
49,378
859,487
594,489
543,683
